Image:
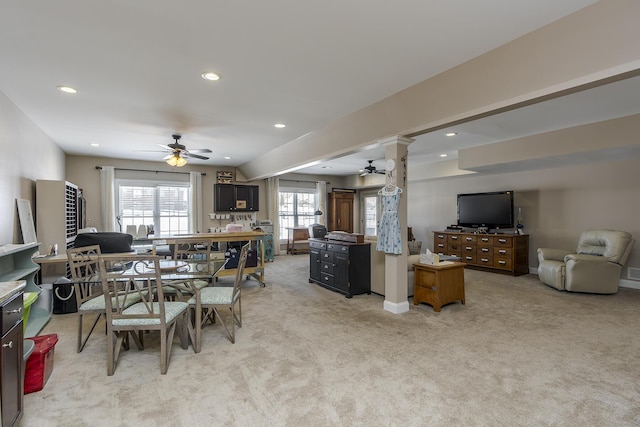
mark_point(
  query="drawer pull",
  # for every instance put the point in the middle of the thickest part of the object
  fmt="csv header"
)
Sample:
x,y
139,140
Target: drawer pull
x,y
502,252
17,310
502,240
454,237
484,260
468,248
468,239
8,345
468,258
484,239
485,250
502,262
440,245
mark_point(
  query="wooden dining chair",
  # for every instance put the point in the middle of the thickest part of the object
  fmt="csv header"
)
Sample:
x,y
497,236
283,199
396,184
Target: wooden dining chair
x,y
139,276
84,264
212,299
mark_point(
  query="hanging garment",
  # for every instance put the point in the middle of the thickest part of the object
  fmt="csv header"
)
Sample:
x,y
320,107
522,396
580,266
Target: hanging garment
x,y
389,236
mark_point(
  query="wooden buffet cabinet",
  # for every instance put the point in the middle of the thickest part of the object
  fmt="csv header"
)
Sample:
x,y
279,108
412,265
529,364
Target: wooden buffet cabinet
x,y
507,253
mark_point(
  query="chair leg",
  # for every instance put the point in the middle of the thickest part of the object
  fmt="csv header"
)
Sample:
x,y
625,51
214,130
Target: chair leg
x,y
82,342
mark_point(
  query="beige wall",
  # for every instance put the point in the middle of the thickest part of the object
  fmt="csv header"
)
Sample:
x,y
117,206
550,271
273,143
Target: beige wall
x,y
557,204
27,155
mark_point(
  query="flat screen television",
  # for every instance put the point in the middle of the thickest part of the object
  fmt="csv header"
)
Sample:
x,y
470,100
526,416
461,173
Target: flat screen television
x,y
486,210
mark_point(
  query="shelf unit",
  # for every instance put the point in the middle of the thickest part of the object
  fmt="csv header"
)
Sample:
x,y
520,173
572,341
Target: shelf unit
x,y
57,213
16,264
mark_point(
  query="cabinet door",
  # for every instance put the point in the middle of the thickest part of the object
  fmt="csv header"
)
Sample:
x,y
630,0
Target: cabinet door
x,y
246,198
341,271
11,375
314,263
225,197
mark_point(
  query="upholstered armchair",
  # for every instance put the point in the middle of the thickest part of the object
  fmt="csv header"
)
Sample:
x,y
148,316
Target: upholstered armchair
x,y
595,267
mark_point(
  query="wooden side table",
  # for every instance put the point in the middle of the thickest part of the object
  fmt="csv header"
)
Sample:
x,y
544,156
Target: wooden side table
x,y
438,284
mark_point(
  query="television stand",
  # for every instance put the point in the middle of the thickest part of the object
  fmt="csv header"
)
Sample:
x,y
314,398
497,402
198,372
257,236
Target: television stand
x,y
501,253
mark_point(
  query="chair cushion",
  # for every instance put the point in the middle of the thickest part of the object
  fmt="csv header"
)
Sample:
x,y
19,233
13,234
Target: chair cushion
x,y
172,309
98,302
214,295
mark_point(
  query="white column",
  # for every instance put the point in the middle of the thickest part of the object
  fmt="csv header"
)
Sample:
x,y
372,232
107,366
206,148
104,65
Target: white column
x,y
395,271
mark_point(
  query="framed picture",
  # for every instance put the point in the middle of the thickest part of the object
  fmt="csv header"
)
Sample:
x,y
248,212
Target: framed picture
x,y
224,177
241,204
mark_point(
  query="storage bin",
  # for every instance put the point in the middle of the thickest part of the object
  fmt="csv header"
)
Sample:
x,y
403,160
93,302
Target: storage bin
x,y
234,256
40,363
28,299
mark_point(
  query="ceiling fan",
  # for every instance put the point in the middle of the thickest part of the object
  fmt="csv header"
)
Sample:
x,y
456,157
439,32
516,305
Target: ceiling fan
x,y
178,153
370,169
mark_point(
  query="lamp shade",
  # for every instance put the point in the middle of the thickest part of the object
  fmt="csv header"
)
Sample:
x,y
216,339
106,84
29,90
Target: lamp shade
x,y
318,212
176,160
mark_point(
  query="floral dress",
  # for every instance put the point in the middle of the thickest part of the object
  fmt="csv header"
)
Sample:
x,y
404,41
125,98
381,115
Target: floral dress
x,y
389,237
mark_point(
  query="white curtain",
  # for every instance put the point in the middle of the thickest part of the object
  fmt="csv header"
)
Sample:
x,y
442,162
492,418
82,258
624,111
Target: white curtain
x,y
321,196
108,199
273,187
195,211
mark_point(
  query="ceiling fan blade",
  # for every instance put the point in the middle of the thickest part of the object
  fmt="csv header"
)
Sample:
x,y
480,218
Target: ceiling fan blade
x,y
168,156
200,150
364,174
380,172
195,156
166,147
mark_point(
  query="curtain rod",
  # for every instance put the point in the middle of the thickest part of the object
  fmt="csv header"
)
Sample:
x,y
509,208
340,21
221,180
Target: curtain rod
x,y
144,170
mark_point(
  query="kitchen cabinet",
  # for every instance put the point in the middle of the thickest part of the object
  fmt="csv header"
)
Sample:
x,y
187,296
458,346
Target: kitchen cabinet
x,y
11,384
236,198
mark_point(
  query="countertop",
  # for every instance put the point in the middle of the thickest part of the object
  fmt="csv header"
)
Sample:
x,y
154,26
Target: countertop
x,y
9,289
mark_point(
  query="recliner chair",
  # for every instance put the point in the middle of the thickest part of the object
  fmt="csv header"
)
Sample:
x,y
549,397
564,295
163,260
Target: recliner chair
x,y
594,268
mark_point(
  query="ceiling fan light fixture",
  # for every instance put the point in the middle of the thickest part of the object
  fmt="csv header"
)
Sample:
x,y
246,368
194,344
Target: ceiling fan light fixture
x,y
176,160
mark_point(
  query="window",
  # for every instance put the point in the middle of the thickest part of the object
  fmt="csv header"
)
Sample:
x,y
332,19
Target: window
x,y
296,208
370,214
162,207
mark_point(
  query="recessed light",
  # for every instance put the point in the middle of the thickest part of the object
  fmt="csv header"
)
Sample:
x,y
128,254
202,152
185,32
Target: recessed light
x,y
95,144
227,157
280,125
451,134
209,75
67,89
326,167
443,155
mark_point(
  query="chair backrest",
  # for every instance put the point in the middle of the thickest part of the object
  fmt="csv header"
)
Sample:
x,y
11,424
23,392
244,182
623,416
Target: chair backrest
x,y
197,253
84,263
130,277
613,244
240,269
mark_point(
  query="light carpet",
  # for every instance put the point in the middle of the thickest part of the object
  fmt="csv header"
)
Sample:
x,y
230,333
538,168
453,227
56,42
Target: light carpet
x,y
517,354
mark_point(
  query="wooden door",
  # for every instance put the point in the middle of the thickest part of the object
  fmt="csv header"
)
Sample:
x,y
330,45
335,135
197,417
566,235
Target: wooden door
x,y
341,212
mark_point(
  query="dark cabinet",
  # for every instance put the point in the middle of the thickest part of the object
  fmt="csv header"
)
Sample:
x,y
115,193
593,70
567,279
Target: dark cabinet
x,y
236,198
341,266
247,198
12,386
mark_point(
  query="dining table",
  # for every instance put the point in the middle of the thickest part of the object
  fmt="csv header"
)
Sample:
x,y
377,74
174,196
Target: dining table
x,y
180,275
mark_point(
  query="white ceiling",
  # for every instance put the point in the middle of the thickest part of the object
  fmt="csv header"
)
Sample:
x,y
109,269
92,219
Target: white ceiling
x,y
137,65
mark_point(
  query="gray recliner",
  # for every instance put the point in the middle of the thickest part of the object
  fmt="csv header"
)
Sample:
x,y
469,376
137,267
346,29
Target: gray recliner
x,y
595,267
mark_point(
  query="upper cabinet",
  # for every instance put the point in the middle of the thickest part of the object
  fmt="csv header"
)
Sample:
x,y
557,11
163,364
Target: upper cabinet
x,y
236,198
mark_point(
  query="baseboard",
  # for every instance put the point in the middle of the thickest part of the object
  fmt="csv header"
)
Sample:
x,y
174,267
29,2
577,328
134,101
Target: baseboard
x,y
396,307
631,284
